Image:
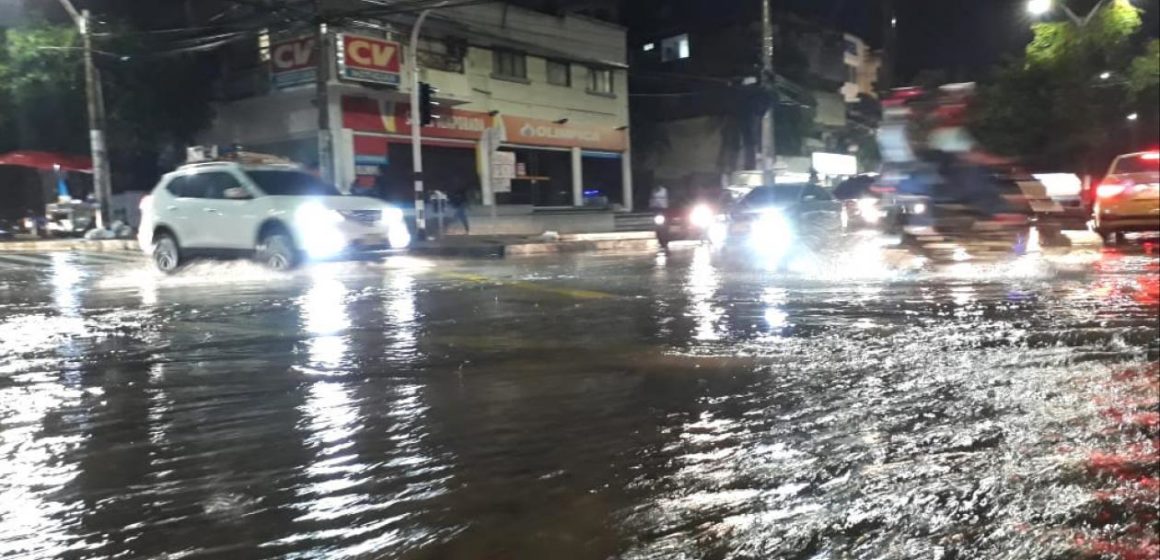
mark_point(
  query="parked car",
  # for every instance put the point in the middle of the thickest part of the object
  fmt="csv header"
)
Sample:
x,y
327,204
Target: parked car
x,y
278,213
1128,199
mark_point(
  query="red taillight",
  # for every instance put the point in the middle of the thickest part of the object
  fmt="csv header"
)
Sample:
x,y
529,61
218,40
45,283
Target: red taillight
x,y
1110,189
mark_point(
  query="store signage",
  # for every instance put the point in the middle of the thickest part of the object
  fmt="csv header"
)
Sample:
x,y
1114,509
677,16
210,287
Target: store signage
x,y
538,132
834,164
293,62
503,170
369,115
369,59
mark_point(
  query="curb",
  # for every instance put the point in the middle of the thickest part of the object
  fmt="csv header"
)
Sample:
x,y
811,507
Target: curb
x,y
55,245
517,249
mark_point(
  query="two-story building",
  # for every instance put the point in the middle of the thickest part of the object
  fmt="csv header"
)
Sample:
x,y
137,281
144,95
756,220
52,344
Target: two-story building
x,y
548,92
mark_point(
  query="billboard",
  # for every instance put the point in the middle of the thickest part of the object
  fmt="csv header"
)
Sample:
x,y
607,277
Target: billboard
x,y
369,59
293,62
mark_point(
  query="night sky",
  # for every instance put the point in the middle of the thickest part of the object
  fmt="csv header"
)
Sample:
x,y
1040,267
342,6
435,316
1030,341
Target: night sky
x,y
962,37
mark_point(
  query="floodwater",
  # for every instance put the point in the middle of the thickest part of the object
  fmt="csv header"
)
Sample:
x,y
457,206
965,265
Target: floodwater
x,y
614,406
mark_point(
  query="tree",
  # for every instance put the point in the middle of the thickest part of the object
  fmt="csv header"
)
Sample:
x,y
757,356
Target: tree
x,y
157,97
1063,103
42,94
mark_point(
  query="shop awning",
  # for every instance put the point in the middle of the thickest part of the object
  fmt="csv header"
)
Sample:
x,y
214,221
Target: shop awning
x,y
48,161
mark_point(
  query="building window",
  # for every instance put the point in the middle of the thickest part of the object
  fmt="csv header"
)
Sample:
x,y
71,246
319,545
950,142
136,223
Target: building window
x,y
851,47
446,54
675,48
559,73
649,46
600,81
510,64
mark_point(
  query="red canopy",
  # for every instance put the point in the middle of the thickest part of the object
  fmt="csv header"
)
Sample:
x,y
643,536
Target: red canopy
x,y
47,160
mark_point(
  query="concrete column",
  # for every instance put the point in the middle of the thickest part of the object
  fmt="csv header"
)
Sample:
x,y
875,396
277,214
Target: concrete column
x,y
483,152
577,177
344,169
626,172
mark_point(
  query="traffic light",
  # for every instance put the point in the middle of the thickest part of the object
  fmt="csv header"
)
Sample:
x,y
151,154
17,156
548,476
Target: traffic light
x,y
427,104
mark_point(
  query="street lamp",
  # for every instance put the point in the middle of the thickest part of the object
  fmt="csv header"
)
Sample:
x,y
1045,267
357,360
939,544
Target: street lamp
x,y
1105,75
1133,116
1038,7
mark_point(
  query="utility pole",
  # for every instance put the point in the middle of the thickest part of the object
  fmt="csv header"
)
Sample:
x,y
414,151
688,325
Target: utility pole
x,y
96,110
417,127
322,96
769,85
889,47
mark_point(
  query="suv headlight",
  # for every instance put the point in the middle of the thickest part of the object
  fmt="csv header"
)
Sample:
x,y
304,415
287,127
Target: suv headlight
x,y
314,214
392,215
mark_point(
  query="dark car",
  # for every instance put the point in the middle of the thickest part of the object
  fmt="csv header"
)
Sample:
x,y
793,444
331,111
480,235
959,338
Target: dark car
x,y
692,222
774,219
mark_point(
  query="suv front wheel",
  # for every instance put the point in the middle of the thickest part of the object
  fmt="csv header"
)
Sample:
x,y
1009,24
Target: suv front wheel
x,y
277,251
166,253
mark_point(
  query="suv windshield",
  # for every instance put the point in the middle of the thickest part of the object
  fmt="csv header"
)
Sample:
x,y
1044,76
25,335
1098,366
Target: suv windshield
x,y
291,183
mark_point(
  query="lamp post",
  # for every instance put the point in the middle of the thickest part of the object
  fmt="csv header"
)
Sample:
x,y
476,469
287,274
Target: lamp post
x,y
1040,8
96,109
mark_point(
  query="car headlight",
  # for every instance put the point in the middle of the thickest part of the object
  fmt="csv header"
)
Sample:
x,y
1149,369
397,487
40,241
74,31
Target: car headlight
x,y
919,208
701,216
392,215
659,220
771,224
868,209
314,213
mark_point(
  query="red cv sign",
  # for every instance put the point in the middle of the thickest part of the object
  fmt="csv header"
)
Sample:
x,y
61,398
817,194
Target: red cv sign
x,y
293,62
369,59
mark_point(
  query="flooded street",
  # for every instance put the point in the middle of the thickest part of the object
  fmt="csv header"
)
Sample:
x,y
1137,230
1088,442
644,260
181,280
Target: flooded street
x,y
588,407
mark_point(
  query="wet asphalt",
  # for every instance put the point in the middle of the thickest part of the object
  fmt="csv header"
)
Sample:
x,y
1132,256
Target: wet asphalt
x,y
862,404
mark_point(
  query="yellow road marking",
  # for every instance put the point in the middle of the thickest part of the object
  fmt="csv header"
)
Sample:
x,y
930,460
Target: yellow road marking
x,y
529,286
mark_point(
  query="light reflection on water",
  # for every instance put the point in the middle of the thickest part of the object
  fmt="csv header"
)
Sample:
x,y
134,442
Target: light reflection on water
x,y
833,438
701,287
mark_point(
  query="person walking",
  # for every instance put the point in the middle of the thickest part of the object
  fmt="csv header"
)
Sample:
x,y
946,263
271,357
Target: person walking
x,y
459,200
659,199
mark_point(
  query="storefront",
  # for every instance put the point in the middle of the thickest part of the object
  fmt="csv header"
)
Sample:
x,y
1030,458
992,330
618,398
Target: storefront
x,y
556,163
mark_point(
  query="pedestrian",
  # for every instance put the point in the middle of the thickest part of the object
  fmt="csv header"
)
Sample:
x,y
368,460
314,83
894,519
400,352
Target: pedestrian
x,y
459,200
659,199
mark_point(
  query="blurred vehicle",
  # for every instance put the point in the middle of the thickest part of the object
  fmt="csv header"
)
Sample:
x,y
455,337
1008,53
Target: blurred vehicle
x,y
772,221
861,205
71,217
1067,190
261,207
1128,199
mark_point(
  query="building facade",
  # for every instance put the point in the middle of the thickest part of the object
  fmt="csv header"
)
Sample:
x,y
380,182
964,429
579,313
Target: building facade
x,y
532,107
697,95
862,68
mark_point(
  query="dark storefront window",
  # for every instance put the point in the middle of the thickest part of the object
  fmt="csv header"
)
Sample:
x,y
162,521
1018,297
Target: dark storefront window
x,y
547,182
603,179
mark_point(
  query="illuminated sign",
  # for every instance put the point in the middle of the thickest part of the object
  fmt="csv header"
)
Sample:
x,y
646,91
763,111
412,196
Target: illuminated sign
x,y
293,62
369,59
834,164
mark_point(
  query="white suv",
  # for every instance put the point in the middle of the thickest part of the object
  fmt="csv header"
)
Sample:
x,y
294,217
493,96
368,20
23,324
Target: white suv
x,y
278,213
